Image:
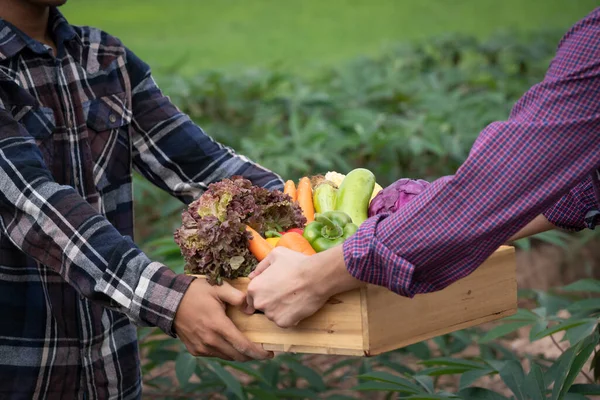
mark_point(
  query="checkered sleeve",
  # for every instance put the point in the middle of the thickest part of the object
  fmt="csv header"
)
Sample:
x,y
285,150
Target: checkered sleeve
x,y
176,154
570,211
54,225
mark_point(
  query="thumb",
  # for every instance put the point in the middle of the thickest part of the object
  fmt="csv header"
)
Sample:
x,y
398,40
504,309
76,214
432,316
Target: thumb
x,y
263,265
230,295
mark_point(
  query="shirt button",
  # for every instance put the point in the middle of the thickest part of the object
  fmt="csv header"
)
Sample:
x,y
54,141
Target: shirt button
x,y
76,180
112,118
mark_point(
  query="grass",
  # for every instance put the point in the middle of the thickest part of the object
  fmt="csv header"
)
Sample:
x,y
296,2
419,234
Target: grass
x,y
298,35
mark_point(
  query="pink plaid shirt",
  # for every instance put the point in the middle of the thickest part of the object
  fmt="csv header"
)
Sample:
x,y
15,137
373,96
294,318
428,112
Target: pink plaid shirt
x,y
540,161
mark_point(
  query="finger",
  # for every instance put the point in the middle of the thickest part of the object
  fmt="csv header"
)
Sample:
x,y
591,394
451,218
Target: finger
x,y
242,344
224,347
228,294
208,351
250,301
215,352
247,307
264,264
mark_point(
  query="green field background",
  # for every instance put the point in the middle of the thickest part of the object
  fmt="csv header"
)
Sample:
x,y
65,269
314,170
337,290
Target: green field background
x,y
195,35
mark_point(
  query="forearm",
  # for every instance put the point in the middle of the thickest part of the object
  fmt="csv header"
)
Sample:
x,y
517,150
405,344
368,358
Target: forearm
x,y
516,171
54,225
173,152
538,225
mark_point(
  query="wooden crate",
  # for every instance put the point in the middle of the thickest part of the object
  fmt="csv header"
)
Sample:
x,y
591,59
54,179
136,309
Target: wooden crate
x,y
373,320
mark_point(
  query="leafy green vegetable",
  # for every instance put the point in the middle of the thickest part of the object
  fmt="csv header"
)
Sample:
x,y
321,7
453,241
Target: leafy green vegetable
x,y
213,239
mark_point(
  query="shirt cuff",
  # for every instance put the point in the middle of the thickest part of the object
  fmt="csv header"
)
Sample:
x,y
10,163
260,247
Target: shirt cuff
x,y
158,295
569,213
371,261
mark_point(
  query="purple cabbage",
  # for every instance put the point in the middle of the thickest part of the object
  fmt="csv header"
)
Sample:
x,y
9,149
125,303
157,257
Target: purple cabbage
x,y
396,195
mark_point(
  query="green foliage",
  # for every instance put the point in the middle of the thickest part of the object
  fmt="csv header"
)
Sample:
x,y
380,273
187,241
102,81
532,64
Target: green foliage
x,y
191,36
288,377
413,112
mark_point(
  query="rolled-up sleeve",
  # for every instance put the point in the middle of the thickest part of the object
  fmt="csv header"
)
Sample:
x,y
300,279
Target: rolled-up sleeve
x,y
570,211
516,170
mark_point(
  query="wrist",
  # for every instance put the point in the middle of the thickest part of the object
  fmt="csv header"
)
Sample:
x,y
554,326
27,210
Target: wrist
x,y
333,277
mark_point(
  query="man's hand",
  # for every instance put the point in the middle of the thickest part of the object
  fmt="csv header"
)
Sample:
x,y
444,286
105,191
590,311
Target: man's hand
x,y
289,286
205,329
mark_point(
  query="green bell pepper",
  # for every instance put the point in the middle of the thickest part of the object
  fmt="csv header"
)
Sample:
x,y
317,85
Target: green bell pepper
x,y
329,229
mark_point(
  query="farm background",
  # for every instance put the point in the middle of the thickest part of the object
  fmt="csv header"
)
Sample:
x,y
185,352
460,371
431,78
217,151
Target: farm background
x,y
402,88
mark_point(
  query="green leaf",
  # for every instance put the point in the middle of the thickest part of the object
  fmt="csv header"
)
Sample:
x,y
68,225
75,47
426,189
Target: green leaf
x,y
312,377
590,389
296,393
580,332
396,367
558,372
512,374
584,285
503,330
534,383
270,370
161,356
245,368
185,364
382,376
523,314
469,377
551,302
560,327
595,366
584,305
438,371
339,365
578,362
232,384
261,393
456,362
575,396
381,387
477,393
420,350
537,328
426,382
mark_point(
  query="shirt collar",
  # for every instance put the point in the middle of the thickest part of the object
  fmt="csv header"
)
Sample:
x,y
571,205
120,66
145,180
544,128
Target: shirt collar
x,y
13,40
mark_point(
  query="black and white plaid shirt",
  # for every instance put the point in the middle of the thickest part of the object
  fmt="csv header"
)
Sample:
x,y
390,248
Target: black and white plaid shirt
x,y
72,128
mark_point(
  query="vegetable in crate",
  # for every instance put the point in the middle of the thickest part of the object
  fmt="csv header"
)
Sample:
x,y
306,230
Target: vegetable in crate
x,y
213,237
336,178
329,230
354,194
396,195
324,196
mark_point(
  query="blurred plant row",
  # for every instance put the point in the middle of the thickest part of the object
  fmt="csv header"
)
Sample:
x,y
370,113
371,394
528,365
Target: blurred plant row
x,y
412,112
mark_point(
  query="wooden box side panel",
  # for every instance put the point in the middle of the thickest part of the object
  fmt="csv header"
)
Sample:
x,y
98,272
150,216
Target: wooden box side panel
x,y
489,293
334,329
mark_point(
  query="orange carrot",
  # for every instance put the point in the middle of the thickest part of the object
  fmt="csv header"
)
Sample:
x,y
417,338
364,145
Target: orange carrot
x,y
305,199
295,241
258,246
290,189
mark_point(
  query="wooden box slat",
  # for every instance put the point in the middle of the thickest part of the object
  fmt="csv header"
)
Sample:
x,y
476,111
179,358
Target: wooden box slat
x,y
373,320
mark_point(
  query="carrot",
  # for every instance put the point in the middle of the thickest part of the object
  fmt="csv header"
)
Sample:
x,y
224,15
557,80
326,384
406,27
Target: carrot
x,y
258,246
295,241
305,199
290,189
